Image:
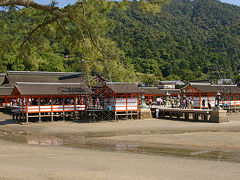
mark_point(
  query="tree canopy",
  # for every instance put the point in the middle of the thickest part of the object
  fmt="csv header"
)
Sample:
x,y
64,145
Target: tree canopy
x,y
46,37
123,40
186,40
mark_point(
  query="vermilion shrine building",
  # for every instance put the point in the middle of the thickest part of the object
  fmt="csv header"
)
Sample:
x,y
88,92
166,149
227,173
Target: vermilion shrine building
x,y
51,99
154,92
42,95
230,94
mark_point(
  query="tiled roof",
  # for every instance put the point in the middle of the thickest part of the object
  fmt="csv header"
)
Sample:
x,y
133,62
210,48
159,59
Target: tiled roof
x,y
123,87
35,76
215,88
6,91
33,88
2,78
157,91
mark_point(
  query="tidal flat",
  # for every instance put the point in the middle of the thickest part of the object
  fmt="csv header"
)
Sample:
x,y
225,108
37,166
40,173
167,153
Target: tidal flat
x,y
127,149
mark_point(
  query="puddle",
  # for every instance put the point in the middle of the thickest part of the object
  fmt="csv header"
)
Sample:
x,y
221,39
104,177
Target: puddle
x,y
93,143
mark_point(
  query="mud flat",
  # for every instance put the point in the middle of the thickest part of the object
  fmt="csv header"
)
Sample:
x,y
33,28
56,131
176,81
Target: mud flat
x,y
133,149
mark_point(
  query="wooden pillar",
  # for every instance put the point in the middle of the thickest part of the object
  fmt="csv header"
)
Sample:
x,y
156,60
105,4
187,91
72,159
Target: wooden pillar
x,y
178,115
26,117
74,113
196,116
26,109
208,99
200,101
63,109
75,103
127,106
234,98
75,106
39,117
187,116
138,101
39,109
51,108
115,101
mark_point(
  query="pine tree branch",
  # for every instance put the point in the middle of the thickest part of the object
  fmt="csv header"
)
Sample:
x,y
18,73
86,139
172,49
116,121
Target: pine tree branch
x,y
38,27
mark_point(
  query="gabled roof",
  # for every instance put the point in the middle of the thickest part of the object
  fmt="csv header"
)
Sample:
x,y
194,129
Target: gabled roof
x,y
123,87
6,91
225,81
34,88
177,82
36,76
215,88
157,91
200,82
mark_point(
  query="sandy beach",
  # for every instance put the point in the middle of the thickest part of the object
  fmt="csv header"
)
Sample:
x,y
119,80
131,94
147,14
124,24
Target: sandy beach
x,y
20,160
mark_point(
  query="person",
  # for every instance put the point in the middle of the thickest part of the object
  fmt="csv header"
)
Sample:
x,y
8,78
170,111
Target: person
x,y
203,103
161,101
177,103
158,100
98,102
191,103
150,102
209,105
172,102
157,113
185,103
71,101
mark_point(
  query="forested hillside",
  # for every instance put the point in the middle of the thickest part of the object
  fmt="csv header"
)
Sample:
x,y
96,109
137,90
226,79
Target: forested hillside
x,y
187,40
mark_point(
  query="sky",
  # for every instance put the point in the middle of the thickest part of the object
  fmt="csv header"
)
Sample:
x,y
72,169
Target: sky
x,y
62,3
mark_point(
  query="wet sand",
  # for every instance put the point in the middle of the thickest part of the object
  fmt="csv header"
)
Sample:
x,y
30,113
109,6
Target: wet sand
x,y
44,162
23,161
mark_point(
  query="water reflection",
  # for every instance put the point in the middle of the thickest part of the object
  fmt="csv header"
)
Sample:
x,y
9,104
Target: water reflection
x,y
94,143
53,141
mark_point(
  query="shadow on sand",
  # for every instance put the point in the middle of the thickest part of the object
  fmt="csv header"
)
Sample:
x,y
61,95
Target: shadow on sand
x,y
7,121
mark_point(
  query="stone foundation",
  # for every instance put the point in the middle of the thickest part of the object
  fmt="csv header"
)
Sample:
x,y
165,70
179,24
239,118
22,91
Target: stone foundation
x,y
145,113
219,116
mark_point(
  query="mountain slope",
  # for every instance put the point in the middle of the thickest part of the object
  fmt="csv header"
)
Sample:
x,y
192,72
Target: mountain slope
x,y
186,40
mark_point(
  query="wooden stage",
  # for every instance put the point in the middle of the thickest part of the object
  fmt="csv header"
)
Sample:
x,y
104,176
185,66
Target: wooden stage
x,y
90,115
182,114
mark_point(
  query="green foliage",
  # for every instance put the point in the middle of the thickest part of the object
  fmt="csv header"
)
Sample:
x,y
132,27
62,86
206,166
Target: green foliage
x,y
148,79
187,40
183,40
237,80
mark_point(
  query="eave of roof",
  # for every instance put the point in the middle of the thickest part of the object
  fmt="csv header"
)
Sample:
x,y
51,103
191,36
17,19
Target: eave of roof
x,y
40,73
123,87
6,91
216,88
40,88
157,91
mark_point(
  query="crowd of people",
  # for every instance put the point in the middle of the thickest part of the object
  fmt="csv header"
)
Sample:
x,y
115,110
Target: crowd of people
x,y
179,102
46,101
175,102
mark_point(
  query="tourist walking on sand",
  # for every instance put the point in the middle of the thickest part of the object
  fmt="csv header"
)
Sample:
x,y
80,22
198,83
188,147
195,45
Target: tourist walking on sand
x,y
157,113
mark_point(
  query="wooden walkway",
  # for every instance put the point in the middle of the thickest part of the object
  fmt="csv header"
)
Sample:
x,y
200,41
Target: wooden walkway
x,y
91,115
183,114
